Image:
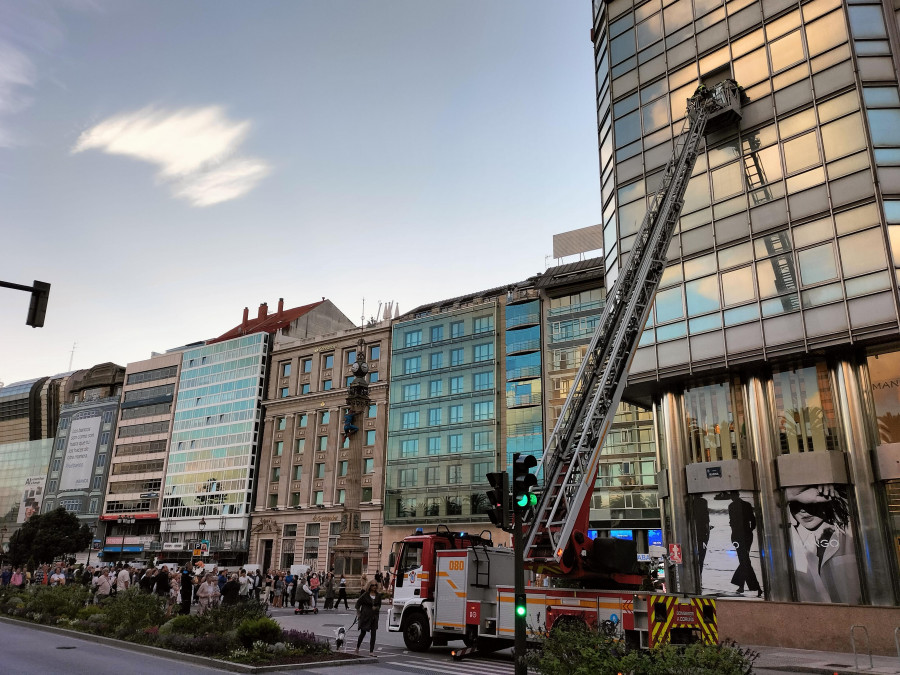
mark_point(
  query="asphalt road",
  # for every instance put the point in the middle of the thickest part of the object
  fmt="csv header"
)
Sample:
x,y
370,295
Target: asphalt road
x,y
27,651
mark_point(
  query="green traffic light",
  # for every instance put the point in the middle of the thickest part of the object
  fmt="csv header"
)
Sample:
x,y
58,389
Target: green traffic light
x,y
520,610
532,499
522,500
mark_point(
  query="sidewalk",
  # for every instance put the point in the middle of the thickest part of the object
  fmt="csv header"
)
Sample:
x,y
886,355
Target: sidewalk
x,y
804,661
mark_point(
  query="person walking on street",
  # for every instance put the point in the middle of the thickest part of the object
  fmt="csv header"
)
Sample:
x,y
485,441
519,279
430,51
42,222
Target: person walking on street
x,y
230,591
314,584
367,607
123,580
245,582
278,586
187,588
329,591
257,584
208,593
161,582
342,593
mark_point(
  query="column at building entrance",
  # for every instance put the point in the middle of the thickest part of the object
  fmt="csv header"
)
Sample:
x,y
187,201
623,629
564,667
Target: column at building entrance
x,y
762,442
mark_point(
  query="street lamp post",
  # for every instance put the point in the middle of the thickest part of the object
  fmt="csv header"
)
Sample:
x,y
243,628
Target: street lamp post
x,y
202,526
91,545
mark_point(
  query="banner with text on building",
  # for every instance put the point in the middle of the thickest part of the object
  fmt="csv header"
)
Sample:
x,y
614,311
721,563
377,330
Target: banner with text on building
x,y
32,495
78,465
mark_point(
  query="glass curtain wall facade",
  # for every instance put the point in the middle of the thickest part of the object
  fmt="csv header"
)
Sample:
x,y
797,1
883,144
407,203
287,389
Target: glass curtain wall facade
x,y
524,398
787,244
23,472
212,452
784,241
442,435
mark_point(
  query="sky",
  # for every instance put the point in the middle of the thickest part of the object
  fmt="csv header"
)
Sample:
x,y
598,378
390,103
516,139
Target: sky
x,y
165,164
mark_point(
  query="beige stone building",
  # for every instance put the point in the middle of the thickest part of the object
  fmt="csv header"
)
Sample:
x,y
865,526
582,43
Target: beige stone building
x,y
138,463
303,460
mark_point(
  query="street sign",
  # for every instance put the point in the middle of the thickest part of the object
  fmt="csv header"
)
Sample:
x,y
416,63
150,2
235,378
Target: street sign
x,y
675,553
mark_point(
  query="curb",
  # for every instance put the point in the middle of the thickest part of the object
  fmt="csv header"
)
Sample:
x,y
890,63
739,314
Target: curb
x,y
181,656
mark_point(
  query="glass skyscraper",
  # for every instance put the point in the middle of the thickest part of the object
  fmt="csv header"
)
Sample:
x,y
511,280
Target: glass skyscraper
x,y
770,352
212,452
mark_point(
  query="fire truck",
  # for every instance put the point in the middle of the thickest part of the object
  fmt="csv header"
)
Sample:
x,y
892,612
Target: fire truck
x,y
459,586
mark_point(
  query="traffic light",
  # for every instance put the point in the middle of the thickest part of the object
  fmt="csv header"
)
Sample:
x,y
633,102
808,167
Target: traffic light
x,y
521,608
37,310
523,480
498,496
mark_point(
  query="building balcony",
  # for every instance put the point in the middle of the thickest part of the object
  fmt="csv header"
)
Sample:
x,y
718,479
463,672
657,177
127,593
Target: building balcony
x,y
523,320
595,306
526,373
523,400
524,429
523,346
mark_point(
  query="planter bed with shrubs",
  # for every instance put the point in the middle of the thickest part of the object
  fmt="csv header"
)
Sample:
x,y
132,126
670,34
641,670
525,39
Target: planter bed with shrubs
x,y
241,633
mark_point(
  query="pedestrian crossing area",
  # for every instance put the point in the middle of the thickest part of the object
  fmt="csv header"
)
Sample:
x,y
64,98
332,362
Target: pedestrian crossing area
x,y
446,666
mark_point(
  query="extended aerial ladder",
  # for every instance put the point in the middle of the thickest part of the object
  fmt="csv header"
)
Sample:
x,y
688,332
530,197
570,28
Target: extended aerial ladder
x,y
556,540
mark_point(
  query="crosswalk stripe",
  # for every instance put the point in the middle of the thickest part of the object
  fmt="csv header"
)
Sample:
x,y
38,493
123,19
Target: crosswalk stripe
x,y
468,666
431,667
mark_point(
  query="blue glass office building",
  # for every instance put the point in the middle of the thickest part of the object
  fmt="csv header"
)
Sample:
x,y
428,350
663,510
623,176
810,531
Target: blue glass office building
x,y
444,415
212,452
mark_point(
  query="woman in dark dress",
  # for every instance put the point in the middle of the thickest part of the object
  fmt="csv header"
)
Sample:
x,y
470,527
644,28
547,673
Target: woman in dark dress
x,y
367,608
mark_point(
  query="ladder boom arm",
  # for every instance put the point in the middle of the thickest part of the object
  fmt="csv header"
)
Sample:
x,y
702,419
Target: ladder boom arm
x,y
571,456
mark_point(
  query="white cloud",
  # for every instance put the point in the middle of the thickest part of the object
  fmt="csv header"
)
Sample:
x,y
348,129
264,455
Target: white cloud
x,y
228,181
194,149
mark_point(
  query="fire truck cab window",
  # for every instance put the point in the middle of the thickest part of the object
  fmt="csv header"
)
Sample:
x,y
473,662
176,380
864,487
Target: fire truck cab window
x,y
410,559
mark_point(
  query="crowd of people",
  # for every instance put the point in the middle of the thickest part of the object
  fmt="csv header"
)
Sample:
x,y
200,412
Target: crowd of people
x,y
184,586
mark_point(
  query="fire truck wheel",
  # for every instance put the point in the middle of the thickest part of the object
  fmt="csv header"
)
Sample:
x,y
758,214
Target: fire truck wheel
x,y
416,635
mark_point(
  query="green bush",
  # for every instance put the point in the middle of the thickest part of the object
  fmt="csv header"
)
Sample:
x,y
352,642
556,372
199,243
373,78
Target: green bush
x,y
55,601
132,611
186,624
86,613
228,617
574,650
263,629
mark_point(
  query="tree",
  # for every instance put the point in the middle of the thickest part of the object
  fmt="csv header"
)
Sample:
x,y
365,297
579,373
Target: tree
x,y
47,536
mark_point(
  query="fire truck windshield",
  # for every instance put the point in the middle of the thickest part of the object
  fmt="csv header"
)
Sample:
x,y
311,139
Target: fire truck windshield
x,y
411,558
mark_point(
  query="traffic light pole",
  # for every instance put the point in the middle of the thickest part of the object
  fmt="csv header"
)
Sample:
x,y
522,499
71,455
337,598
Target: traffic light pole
x,y
519,574
40,293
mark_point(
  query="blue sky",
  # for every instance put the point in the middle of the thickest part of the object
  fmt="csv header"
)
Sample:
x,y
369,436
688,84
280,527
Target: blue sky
x,y
164,164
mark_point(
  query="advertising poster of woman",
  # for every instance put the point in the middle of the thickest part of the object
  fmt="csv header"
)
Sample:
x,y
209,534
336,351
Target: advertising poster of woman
x,y
725,527
825,568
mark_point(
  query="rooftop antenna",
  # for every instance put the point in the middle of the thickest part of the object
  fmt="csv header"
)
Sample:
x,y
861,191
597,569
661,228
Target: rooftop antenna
x,y
72,355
